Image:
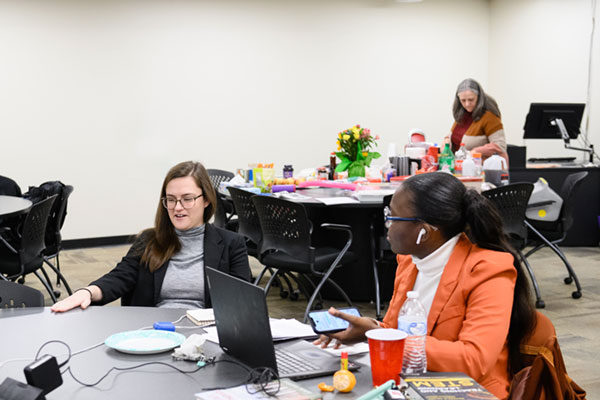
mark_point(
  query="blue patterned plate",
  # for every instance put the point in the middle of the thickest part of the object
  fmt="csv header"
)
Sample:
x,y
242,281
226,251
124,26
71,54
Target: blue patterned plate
x,y
145,342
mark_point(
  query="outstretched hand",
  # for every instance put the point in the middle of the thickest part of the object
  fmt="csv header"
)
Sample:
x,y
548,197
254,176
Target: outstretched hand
x,y
80,298
353,334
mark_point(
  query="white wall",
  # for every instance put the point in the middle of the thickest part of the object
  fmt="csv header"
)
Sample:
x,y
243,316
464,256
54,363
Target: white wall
x,y
539,52
107,95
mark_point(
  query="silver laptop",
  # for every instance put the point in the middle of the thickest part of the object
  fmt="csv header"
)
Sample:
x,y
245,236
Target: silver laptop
x,y
242,321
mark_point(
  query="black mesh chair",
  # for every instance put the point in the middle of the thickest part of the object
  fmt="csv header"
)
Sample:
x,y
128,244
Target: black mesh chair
x,y
28,257
511,201
286,245
53,238
15,295
551,233
249,227
8,187
224,210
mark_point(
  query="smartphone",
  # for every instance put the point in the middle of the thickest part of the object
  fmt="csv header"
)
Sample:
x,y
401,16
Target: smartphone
x,y
323,322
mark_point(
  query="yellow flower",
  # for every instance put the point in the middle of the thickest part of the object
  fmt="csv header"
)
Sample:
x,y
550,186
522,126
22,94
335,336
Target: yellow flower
x,y
356,131
346,137
365,153
339,147
356,135
340,135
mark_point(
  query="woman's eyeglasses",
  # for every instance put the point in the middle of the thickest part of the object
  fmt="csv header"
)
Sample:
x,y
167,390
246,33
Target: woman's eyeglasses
x,y
388,219
186,202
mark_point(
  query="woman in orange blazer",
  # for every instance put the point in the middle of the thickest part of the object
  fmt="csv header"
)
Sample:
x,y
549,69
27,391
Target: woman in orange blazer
x,y
475,290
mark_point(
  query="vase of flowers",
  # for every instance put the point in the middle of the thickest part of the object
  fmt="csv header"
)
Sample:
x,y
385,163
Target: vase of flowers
x,y
354,147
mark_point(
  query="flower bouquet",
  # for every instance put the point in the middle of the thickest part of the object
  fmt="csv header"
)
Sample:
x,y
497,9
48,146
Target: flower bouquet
x,y
354,146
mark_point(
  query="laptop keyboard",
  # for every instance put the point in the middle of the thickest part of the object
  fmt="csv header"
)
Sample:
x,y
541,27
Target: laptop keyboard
x,y
288,363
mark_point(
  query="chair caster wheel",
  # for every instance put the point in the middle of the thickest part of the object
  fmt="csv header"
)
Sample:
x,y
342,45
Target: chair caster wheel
x,y
294,296
576,295
21,280
284,294
56,293
540,304
568,280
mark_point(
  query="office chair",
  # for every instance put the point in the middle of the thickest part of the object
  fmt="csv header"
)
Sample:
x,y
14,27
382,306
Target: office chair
x,y
511,203
15,295
249,227
8,187
28,257
53,237
224,209
286,245
551,233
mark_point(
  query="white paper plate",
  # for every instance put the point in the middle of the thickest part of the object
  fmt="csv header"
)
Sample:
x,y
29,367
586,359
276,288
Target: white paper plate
x,y
145,342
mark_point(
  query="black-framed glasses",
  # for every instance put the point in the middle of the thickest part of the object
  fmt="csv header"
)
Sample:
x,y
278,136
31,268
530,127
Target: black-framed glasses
x,y
186,202
388,219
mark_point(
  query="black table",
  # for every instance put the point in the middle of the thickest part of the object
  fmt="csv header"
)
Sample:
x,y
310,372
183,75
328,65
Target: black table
x,y
11,206
25,330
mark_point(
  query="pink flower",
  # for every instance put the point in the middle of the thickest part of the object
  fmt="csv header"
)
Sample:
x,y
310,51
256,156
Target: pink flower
x,y
376,137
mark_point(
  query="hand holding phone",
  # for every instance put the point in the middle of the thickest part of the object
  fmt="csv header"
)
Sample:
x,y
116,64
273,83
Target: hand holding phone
x,y
323,322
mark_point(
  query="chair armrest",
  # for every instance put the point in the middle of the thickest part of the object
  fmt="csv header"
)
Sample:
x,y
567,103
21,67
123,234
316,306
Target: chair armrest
x,y
540,203
339,227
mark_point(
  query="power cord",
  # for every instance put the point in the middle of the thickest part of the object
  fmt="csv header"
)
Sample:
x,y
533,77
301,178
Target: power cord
x,y
261,379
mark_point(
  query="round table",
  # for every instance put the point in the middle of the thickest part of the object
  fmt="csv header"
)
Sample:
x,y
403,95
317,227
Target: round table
x,y
11,206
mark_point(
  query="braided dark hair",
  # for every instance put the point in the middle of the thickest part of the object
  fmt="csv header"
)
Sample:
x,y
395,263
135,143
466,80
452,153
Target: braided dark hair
x,y
443,201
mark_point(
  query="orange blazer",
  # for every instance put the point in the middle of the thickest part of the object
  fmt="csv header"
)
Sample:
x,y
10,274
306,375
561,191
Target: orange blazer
x,y
469,318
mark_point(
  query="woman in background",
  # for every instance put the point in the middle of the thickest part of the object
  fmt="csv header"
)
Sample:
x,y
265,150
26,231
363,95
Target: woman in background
x,y
477,298
165,265
477,121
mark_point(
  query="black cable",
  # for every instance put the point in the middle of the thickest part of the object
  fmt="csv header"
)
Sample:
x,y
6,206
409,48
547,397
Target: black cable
x,y
259,377
127,369
55,341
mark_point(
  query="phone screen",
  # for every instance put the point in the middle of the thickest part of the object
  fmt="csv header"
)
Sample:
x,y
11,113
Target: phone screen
x,y
323,322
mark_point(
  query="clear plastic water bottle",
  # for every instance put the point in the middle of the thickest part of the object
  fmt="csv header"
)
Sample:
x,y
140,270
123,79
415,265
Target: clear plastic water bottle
x,y
413,320
459,157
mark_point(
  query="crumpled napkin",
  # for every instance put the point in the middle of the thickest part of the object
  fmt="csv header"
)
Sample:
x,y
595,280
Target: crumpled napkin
x,y
191,348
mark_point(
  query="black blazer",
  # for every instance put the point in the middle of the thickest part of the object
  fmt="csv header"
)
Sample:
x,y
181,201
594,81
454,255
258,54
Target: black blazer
x,y
137,286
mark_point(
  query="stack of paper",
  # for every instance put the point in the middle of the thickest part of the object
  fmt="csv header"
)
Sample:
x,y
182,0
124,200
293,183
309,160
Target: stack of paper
x,y
201,316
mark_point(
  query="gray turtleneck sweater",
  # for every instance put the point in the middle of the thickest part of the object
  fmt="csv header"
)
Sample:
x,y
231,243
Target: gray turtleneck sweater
x,y
183,286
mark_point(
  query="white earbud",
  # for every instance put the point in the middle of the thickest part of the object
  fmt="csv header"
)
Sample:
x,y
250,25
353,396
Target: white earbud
x,y
421,233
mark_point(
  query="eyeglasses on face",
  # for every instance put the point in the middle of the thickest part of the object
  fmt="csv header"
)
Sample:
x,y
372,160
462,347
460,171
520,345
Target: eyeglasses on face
x,y
186,202
388,219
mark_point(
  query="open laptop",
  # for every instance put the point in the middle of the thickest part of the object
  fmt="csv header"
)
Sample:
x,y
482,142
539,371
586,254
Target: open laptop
x,y
242,321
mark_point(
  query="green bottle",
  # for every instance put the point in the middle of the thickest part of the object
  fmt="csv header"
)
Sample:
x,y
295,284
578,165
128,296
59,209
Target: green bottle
x,y
446,160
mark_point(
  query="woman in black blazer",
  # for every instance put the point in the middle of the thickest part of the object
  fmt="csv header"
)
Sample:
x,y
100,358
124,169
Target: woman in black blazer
x,y
165,265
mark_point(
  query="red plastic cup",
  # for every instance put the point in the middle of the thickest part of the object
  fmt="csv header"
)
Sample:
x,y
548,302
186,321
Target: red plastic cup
x,y
386,347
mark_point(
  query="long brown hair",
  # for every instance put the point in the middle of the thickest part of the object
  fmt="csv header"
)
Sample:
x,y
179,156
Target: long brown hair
x,y
163,241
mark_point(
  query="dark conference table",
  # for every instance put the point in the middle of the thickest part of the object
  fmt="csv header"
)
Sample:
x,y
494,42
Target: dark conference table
x,y
25,330
11,206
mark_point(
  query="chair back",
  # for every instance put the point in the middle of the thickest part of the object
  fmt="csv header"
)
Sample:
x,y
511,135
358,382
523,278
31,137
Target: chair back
x,y
285,227
567,191
216,177
511,202
13,295
34,231
8,187
248,222
53,238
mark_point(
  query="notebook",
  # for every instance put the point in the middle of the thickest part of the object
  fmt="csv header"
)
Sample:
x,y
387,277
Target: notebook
x,y
242,321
